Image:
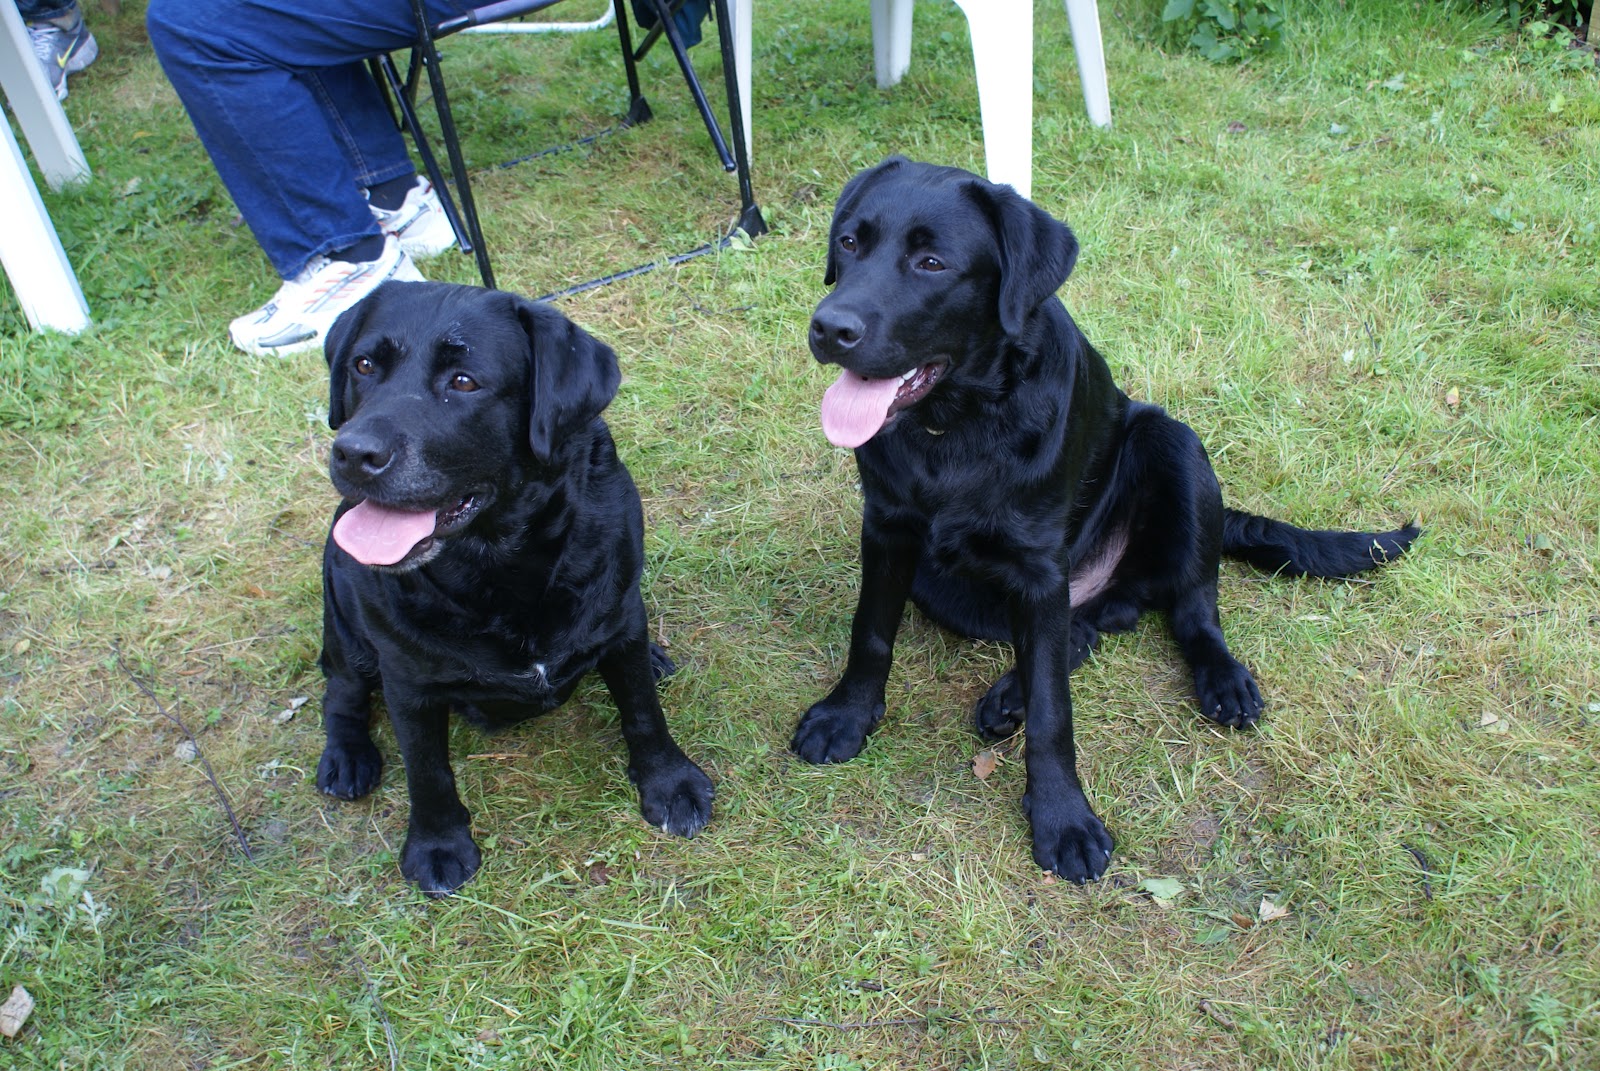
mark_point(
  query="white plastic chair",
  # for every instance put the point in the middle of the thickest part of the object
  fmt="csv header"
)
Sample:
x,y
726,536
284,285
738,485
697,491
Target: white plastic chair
x,y
31,253
1002,57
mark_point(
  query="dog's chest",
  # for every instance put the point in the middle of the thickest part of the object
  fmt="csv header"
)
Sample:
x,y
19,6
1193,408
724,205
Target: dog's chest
x,y
968,511
505,654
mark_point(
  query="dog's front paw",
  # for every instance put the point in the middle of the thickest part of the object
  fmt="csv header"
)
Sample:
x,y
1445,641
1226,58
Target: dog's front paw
x,y
676,799
349,769
1069,839
834,732
1000,713
1228,694
440,862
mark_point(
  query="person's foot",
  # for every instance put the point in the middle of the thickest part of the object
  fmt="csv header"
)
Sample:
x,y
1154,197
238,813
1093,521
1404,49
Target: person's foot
x,y
301,312
418,221
63,46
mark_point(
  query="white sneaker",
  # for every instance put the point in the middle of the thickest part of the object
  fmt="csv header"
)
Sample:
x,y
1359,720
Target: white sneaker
x,y
420,223
301,312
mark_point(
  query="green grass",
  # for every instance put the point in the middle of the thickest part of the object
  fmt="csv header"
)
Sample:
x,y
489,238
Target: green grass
x,y
1378,300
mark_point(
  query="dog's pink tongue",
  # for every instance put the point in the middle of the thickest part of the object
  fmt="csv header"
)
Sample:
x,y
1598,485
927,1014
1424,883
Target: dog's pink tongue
x,y
377,535
855,407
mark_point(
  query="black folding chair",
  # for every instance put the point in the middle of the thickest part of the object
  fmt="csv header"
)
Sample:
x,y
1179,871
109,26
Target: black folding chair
x,y
461,210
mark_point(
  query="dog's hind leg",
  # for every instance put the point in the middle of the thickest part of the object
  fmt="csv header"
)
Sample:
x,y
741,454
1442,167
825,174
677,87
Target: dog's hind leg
x,y
1001,711
1227,692
661,666
1173,560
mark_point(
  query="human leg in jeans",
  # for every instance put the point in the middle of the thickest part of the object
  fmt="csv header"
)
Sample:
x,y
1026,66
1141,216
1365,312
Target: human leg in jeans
x,y
298,132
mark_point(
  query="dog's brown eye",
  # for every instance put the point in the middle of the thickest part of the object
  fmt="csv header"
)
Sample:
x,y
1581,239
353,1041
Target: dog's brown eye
x,y
848,244
931,264
364,366
463,383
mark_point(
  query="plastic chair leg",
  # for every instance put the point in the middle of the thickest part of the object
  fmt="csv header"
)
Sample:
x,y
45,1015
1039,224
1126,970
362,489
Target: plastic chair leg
x,y
891,40
30,251
1084,17
1002,57
33,102
739,22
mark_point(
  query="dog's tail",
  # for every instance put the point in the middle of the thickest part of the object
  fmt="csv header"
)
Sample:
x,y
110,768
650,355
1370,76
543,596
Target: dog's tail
x,y
1282,548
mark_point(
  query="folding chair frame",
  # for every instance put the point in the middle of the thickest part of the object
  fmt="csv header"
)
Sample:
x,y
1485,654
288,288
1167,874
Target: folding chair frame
x,y
461,209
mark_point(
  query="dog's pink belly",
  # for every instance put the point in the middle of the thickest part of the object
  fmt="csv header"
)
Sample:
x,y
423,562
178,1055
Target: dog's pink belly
x,y
1094,576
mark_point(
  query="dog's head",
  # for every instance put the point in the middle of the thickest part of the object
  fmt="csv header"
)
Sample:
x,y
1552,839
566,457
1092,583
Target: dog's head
x,y
929,265
447,400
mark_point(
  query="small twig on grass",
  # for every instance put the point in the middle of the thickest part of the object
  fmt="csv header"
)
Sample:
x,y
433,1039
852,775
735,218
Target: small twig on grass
x,y
238,830
1524,613
383,1016
870,1024
1218,1017
1422,861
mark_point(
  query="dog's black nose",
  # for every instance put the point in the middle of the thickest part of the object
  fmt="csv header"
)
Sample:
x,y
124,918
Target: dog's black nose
x,y
361,455
835,331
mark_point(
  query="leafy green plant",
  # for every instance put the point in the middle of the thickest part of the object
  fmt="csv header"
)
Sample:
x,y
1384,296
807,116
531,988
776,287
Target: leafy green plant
x,y
1224,30
1566,12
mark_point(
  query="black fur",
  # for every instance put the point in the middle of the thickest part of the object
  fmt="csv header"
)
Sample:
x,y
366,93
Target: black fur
x,y
1024,498
498,616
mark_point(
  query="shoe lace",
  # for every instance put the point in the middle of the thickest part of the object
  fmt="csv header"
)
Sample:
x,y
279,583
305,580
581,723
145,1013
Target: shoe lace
x,y
43,39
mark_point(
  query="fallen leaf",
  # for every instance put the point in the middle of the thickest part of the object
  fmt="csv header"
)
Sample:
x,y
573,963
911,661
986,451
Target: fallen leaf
x,y
1271,912
1489,718
187,750
1452,398
1243,921
1542,545
15,1011
255,591
1163,890
983,764
1048,879
289,711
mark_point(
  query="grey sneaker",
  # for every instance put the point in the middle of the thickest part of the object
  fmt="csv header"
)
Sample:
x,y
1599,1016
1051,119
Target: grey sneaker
x,y
63,46
301,312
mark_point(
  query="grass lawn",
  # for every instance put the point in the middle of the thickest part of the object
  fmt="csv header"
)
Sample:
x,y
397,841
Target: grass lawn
x,y
1366,268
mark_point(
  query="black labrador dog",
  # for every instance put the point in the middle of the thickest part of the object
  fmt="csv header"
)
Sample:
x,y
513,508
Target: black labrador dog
x,y
1011,490
486,556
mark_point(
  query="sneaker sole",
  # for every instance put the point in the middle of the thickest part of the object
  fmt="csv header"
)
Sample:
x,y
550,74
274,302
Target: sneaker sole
x,y
404,271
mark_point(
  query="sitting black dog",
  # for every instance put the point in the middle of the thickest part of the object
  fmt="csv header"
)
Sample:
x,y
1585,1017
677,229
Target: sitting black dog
x,y
487,554
1011,490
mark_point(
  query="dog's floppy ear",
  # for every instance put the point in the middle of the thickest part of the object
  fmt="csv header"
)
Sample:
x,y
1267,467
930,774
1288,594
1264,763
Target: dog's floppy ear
x,y
336,347
572,376
847,200
1037,251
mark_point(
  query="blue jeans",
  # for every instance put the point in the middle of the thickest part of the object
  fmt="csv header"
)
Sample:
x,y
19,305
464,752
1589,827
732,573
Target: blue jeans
x,y
44,10
283,103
